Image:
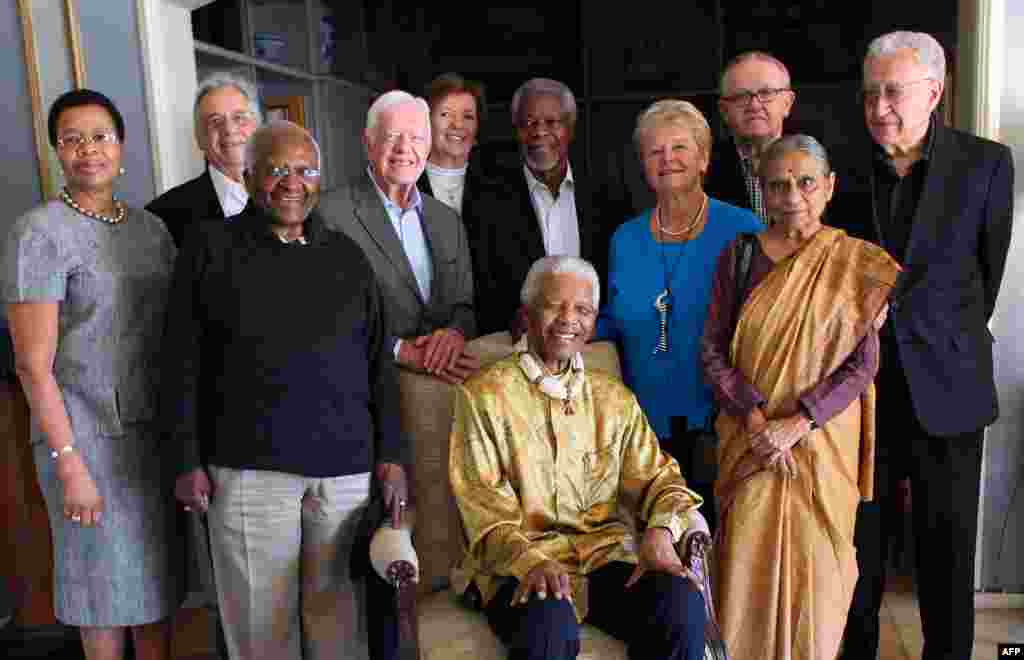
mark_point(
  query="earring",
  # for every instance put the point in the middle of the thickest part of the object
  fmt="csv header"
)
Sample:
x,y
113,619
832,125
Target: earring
x,y
121,172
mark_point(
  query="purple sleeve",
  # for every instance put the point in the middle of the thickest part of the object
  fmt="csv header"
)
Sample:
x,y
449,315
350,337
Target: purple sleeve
x,y
734,393
836,391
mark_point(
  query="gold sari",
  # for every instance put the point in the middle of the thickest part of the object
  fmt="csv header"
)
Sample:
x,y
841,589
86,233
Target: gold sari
x,y
787,566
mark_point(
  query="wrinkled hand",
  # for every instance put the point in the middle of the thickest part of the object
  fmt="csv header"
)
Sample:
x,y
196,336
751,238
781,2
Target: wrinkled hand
x,y
882,316
82,501
774,442
547,577
659,555
194,490
412,353
395,490
442,348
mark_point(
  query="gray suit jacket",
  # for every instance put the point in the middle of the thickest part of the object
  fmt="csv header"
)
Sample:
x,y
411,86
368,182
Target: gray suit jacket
x,y
356,209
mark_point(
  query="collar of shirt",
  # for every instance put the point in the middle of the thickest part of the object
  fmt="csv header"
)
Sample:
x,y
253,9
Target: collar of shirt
x,y
534,183
261,224
231,194
926,152
394,210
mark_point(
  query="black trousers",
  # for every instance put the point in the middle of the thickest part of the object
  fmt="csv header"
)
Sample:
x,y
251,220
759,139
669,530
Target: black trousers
x,y
661,617
945,474
700,471
382,618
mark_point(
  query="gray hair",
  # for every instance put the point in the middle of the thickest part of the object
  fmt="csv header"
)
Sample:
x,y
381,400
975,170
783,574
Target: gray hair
x,y
926,48
554,266
790,143
748,56
674,111
263,137
391,99
545,87
218,80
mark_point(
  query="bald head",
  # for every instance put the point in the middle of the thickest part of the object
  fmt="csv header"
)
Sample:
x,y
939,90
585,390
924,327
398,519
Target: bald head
x,y
282,172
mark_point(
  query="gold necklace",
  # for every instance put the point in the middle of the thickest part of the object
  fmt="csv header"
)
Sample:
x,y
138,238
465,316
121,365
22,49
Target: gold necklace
x,y
110,220
689,227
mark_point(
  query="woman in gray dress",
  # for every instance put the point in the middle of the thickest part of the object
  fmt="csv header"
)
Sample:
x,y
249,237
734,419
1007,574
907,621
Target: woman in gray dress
x,y
85,279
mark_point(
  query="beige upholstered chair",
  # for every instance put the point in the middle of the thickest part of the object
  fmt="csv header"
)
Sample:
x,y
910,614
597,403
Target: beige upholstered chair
x,y
448,630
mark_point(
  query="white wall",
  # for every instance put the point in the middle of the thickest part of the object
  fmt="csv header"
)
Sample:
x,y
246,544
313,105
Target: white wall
x,y
1003,502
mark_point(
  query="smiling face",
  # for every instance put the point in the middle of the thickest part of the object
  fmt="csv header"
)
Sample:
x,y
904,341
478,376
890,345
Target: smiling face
x,y
561,319
899,97
544,133
290,198
796,191
454,122
398,145
755,121
225,125
94,163
672,159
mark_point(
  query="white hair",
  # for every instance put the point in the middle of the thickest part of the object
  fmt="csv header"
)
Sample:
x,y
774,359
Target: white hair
x,y
261,139
391,99
790,143
926,48
751,56
221,79
545,87
555,266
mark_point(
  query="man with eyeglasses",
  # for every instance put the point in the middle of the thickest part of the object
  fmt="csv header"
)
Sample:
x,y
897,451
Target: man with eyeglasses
x,y
755,99
941,203
306,407
226,112
417,246
541,208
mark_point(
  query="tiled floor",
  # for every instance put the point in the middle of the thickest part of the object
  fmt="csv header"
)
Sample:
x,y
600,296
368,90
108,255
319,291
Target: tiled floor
x,y
900,635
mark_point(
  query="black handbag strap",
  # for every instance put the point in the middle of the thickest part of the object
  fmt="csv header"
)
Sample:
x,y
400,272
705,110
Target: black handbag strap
x,y
741,268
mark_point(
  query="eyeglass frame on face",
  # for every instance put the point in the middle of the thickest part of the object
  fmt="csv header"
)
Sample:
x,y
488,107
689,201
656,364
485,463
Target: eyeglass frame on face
x,y
394,137
219,122
99,138
310,174
764,95
547,123
892,92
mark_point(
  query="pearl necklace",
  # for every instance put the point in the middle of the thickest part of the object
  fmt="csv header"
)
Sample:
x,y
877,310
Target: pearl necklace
x,y
121,209
689,227
549,384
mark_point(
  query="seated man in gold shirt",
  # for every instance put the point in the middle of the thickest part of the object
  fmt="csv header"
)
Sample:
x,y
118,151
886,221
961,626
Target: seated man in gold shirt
x,y
553,468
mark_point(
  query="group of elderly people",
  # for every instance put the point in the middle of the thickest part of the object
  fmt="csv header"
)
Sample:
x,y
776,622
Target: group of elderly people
x,y
257,360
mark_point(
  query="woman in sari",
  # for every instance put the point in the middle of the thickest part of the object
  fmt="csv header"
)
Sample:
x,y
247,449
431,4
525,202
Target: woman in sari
x,y
790,354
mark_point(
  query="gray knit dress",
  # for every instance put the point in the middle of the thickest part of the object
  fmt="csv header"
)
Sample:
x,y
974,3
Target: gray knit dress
x,y
111,283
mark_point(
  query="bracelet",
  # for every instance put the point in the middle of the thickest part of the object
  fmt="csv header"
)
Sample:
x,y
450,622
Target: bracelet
x,y
57,453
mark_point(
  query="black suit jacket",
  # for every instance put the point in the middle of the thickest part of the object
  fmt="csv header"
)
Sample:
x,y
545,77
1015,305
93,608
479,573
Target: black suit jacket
x,y
477,183
507,239
190,202
725,180
944,298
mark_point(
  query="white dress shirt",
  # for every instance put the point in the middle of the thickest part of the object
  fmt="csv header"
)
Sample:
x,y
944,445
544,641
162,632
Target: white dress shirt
x,y
231,194
557,216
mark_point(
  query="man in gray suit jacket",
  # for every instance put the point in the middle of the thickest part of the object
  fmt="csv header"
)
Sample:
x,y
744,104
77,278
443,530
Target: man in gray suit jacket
x,y
416,245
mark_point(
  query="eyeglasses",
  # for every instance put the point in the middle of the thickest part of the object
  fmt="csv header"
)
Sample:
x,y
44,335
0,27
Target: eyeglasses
x,y
549,124
394,137
806,184
746,97
892,92
303,172
241,119
73,141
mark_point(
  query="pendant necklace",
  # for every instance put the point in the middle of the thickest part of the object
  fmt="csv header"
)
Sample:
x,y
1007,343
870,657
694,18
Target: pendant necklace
x,y
663,301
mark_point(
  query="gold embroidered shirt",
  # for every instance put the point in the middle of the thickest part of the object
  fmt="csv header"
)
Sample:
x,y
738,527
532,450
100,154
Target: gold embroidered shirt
x,y
533,483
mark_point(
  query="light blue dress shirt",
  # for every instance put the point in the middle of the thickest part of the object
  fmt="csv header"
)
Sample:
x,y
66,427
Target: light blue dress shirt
x,y
408,226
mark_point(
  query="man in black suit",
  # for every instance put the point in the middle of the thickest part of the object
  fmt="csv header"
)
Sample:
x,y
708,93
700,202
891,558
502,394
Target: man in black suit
x,y
941,202
755,99
226,113
541,209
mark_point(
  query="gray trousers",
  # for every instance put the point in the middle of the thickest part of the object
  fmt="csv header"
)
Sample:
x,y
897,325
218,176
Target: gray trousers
x,y
280,545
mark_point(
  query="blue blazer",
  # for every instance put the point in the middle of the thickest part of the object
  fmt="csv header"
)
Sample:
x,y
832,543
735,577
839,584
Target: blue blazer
x,y
944,298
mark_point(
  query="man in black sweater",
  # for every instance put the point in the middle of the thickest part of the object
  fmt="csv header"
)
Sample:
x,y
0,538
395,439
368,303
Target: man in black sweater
x,y
305,407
